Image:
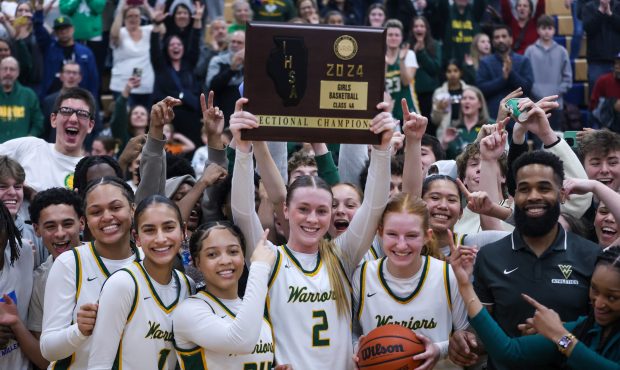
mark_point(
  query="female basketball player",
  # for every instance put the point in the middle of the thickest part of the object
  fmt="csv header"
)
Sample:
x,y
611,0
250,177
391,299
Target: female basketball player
x,y
134,324
216,329
408,286
76,278
309,291
590,342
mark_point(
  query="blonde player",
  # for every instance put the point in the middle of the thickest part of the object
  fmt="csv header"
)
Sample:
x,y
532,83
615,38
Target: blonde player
x,y
216,329
409,287
134,325
309,291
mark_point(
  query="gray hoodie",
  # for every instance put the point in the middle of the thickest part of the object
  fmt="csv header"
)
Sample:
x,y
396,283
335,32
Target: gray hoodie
x,y
553,73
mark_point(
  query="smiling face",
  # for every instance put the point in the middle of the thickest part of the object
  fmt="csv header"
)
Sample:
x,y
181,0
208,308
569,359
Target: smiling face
x,y
394,37
376,17
472,173
605,294
443,201
182,17
221,261
70,76
537,200
219,31
194,217
403,238
344,205
604,168
302,171
470,103
306,9
11,194
132,18
309,215
139,119
108,215
175,49
71,131
59,228
159,233
605,226
242,12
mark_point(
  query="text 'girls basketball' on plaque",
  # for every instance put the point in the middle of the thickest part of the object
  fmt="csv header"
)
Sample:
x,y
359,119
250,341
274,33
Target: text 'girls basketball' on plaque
x,y
313,83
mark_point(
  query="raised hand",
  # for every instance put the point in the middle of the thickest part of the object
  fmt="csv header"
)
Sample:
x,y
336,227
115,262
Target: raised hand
x,y
86,318
198,10
537,121
241,120
449,135
263,253
414,125
546,321
162,113
383,124
477,201
462,260
213,173
493,146
548,103
132,150
579,186
213,121
502,112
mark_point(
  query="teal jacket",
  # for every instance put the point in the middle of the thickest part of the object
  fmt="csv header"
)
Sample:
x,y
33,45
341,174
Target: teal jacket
x,y
538,351
20,114
85,16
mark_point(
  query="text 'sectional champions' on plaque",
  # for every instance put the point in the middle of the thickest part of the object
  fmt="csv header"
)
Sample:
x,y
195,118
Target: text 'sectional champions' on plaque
x,y
313,83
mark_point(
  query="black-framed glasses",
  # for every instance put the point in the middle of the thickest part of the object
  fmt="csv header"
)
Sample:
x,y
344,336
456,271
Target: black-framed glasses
x,y
82,115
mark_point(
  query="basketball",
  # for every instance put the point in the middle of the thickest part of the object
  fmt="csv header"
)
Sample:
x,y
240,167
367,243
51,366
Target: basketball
x,y
390,347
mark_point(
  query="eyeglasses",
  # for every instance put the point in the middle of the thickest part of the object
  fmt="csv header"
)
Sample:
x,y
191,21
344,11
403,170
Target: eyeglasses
x,y
81,114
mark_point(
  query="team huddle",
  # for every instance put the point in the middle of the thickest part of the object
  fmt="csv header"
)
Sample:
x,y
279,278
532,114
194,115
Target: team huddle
x,y
339,263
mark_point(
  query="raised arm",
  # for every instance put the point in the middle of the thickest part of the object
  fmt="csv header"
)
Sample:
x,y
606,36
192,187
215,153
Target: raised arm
x,y
356,240
414,126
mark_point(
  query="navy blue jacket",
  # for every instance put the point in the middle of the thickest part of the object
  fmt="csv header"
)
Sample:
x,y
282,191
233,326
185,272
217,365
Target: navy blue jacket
x,y
490,79
54,58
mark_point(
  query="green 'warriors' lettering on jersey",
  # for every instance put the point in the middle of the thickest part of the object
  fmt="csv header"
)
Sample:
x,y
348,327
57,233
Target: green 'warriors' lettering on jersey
x,y
302,295
261,347
156,333
411,324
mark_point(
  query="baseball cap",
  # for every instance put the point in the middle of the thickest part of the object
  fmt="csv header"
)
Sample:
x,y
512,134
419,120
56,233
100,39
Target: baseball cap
x,y
62,22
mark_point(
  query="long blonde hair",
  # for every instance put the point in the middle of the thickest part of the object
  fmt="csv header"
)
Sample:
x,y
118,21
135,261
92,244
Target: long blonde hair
x,y
473,50
327,249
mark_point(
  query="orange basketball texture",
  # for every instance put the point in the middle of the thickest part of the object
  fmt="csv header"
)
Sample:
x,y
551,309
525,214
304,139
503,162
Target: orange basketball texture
x,y
390,347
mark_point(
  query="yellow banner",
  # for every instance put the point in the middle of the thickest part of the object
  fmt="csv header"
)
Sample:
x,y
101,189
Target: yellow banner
x,y
315,122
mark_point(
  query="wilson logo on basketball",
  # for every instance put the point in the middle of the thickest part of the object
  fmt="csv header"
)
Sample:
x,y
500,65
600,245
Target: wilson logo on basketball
x,y
378,350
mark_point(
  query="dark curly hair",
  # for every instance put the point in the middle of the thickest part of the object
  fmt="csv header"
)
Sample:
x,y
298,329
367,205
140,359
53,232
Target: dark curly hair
x,y
81,169
54,196
541,157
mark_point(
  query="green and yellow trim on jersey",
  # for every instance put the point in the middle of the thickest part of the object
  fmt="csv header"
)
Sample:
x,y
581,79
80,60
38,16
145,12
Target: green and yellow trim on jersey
x,y
160,304
403,300
276,268
134,304
362,289
78,273
64,364
317,267
192,359
446,282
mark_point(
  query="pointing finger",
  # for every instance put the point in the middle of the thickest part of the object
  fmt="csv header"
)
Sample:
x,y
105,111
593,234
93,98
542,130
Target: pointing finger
x,y
239,104
532,301
463,188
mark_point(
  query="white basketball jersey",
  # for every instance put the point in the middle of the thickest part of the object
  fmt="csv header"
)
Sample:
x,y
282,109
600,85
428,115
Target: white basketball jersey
x,y
375,251
90,275
308,331
199,358
147,341
426,310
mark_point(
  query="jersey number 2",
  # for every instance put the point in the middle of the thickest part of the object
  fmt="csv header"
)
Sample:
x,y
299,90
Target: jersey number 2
x,y
318,328
163,356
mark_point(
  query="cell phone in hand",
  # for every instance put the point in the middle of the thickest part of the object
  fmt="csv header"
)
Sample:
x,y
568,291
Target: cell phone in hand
x,y
137,72
571,139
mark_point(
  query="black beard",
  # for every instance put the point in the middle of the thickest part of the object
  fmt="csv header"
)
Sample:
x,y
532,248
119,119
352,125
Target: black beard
x,y
537,226
502,48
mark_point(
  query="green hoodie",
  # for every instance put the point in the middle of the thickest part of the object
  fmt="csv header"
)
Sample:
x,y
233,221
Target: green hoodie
x,y
20,114
85,16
